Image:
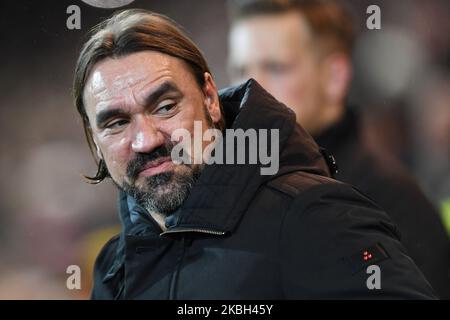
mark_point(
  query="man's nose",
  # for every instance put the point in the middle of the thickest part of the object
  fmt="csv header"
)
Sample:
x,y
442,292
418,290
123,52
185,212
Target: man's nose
x,y
147,137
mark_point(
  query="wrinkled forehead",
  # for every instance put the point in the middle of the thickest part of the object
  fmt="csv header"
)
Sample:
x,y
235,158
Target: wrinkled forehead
x,y
113,77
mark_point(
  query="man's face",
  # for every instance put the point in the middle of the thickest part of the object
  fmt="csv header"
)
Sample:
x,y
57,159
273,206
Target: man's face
x,y
134,103
276,51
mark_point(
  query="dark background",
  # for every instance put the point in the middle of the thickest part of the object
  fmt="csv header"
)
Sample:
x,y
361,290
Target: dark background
x,y
50,218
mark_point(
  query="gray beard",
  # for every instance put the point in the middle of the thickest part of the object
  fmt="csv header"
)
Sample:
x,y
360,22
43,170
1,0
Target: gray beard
x,y
164,193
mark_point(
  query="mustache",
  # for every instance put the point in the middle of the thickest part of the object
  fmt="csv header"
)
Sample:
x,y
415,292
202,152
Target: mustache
x,y
142,159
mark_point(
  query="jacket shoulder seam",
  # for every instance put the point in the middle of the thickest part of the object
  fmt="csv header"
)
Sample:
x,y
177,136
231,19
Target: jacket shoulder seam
x,y
293,184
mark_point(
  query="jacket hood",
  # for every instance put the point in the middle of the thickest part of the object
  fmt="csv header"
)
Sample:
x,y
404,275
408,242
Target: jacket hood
x,y
224,191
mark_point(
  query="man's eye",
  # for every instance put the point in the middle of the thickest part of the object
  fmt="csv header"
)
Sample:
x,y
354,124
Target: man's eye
x,y
277,68
116,124
165,109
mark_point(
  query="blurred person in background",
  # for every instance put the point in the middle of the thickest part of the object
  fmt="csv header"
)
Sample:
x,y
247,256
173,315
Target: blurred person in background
x,y
300,51
430,127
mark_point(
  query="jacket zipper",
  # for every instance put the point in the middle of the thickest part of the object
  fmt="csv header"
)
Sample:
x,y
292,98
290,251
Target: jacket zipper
x,y
174,279
198,230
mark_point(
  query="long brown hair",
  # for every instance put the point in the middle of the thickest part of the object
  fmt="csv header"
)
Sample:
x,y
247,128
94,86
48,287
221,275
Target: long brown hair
x,y
127,32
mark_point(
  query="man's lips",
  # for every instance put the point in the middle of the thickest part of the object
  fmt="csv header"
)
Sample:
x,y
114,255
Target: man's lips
x,y
157,166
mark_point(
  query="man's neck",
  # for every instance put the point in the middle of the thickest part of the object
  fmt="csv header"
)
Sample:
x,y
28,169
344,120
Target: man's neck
x,y
160,220
331,116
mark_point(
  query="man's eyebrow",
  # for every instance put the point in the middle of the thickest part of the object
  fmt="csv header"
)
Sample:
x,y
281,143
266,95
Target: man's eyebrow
x,y
151,98
164,88
103,116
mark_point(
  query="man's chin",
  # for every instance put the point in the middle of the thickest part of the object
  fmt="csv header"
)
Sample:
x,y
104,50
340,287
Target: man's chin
x,y
157,186
164,192
155,182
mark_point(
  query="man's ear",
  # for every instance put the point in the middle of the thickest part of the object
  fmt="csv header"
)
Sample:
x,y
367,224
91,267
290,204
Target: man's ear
x,y
337,76
99,153
92,138
97,150
211,98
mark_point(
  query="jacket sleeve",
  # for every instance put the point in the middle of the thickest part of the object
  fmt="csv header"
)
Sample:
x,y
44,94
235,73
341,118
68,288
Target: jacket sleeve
x,y
107,271
330,238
